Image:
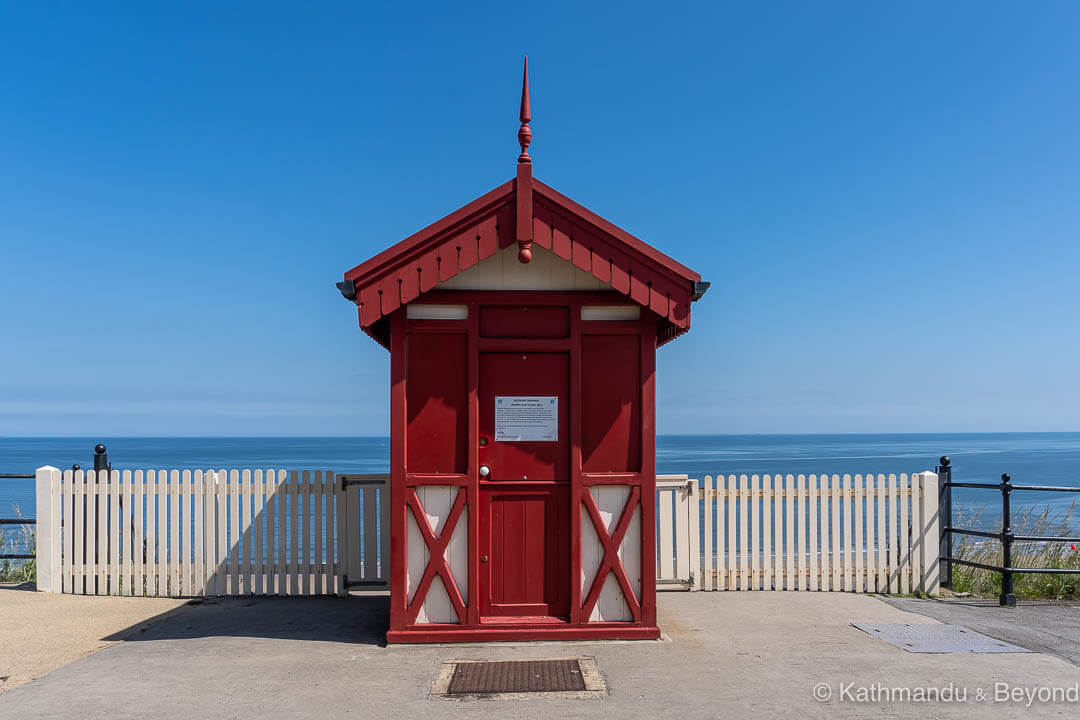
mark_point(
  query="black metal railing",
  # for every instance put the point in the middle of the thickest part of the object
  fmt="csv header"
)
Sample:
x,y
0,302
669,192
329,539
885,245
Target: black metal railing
x,y
17,521
101,462
1005,536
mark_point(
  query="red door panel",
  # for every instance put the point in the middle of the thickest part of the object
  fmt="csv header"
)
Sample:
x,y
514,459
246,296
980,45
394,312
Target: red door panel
x,y
524,498
437,437
524,373
610,403
524,534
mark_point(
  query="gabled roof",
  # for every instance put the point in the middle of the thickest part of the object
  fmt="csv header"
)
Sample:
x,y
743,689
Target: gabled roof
x,y
526,211
465,237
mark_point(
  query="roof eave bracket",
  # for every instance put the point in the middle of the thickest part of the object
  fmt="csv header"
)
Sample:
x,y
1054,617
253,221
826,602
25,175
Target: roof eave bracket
x,y
348,290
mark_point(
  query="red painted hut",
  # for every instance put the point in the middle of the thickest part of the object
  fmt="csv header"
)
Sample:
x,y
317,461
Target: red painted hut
x,y
522,332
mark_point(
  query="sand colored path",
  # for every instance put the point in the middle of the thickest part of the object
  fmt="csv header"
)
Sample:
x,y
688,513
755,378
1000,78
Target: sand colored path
x,y
40,632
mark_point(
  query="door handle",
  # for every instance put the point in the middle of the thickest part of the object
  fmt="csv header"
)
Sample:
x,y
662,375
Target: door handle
x,y
483,558
485,471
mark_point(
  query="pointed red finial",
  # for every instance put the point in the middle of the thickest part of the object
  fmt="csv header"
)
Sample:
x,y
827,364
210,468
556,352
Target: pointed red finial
x,y
525,134
523,186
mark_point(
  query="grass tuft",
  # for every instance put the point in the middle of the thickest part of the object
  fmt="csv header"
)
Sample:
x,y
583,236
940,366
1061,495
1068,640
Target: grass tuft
x,y
13,539
1029,521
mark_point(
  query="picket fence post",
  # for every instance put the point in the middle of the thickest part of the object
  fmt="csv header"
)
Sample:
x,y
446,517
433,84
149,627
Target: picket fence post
x,y
47,491
694,512
929,529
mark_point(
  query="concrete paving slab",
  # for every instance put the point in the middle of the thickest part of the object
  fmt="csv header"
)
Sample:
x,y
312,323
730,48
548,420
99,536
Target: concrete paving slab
x,y
937,638
723,654
1046,627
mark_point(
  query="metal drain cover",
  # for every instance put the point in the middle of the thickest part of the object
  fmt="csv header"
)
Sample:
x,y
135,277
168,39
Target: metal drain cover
x,y
937,638
562,677
516,676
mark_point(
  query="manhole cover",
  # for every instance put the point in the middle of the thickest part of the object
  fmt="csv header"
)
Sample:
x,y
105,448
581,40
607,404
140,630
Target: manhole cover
x,y
563,677
937,638
516,676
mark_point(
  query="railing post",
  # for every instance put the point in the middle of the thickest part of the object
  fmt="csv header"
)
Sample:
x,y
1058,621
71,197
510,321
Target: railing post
x,y
944,471
1008,596
101,458
46,550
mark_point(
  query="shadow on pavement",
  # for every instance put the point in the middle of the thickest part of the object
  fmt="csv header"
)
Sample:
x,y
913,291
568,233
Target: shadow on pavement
x,y
354,620
25,587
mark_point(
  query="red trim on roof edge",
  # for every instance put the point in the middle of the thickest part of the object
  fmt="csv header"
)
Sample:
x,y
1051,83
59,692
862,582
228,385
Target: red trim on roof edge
x,y
401,250
465,237
614,230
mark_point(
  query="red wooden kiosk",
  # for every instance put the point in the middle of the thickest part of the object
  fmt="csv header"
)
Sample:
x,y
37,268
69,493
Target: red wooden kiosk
x,y
522,332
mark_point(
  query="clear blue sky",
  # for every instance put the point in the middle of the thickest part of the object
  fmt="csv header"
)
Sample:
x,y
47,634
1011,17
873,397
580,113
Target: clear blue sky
x,y
885,199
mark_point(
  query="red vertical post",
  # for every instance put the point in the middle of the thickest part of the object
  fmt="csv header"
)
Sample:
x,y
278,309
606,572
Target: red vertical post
x,y
648,472
577,486
473,471
524,212
398,421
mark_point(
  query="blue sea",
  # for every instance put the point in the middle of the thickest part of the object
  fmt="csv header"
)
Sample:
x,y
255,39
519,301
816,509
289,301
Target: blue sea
x,y
1030,458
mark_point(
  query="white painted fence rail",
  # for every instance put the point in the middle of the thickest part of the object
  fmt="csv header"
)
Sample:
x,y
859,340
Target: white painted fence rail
x,y
861,533
194,533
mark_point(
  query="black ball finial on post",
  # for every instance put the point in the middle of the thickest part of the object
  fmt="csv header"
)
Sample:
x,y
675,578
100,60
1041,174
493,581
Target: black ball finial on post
x,y
101,458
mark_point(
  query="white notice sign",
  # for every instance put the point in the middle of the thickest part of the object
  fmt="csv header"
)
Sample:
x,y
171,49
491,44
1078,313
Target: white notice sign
x,y
526,418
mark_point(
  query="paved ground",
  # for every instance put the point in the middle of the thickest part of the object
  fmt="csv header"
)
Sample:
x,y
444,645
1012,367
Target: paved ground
x,y
726,654
41,632
1052,628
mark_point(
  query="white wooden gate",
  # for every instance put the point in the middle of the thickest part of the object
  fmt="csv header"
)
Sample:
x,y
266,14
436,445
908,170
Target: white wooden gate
x,y
861,533
366,532
678,540
194,533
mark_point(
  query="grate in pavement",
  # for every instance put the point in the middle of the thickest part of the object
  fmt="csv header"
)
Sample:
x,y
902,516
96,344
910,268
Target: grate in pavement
x,y
937,638
516,676
573,677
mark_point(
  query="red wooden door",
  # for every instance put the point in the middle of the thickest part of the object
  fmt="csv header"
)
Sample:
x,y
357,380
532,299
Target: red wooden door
x,y
524,497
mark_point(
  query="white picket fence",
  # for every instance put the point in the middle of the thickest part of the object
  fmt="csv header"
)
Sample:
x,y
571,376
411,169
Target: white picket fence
x,y
195,533
861,533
